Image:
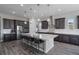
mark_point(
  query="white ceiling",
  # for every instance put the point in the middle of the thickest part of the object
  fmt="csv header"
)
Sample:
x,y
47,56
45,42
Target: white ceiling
x,y
43,10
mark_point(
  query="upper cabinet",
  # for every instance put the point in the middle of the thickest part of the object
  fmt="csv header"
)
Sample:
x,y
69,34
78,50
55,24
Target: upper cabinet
x,y
60,23
25,27
8,24
12,24
78,22
20,23
44,25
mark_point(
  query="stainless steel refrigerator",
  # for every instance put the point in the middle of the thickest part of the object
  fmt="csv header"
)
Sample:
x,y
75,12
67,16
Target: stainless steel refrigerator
x,y
19,31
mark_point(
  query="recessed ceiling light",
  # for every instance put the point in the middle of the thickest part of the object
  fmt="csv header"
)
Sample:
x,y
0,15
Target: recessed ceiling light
x,y
59,9
13,12
21,5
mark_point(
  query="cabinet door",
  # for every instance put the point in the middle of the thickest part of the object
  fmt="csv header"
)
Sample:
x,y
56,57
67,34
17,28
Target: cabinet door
x,y
60,38
60,23
66,39
78,22
11,24
6,37
20,23
12,37
26,27
74,39
6,24
44,25
57,24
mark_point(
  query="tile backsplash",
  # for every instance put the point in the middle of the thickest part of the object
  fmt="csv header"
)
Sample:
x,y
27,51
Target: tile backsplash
x,y
6,31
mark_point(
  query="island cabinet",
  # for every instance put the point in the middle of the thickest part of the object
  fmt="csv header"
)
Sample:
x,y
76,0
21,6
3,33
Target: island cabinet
x,y
71,39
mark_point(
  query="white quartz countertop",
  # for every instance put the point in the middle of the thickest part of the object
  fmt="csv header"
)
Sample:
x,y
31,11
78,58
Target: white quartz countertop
x,y
67,31
47,36
41,36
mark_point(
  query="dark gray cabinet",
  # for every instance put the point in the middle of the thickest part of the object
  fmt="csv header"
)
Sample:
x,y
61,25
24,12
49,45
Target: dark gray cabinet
x,y
8,24
60,23
74,40
20,23
66,39
71,39
25,27
11,24
60,38
6,37
78,22
44,24
9,37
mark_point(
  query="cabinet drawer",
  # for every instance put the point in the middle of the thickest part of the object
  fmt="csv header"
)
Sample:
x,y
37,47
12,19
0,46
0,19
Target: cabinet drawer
x,y
66,39
74,39
6,38
59,38
9,37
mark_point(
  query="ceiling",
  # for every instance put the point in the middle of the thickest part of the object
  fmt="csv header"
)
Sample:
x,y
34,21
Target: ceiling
x,y
37,10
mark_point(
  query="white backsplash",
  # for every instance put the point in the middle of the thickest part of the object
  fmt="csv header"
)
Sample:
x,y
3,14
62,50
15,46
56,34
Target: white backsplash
x,y
67,31
6,31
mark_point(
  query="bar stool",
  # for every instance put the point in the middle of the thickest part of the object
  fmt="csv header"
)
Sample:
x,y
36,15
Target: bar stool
x,y
37,44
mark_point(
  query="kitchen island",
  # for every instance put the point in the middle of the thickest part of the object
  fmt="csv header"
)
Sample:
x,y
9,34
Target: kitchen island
x,y
48,38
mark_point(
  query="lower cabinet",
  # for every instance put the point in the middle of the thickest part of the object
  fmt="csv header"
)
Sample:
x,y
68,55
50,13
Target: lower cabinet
x,y
9,37
6,37
71,39
13,37
66,39
74,40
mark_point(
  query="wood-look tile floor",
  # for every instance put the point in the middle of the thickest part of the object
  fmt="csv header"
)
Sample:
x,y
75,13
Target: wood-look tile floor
x,y
14,48
18,48
64,49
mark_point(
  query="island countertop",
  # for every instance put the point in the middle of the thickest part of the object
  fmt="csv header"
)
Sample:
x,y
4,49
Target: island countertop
x,y
41,36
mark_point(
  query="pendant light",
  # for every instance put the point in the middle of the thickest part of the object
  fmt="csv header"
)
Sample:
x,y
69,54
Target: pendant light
x,y
38,20
25,16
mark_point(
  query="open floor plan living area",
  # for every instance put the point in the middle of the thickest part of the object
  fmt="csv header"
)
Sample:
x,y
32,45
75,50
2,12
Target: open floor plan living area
x,y
39,29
